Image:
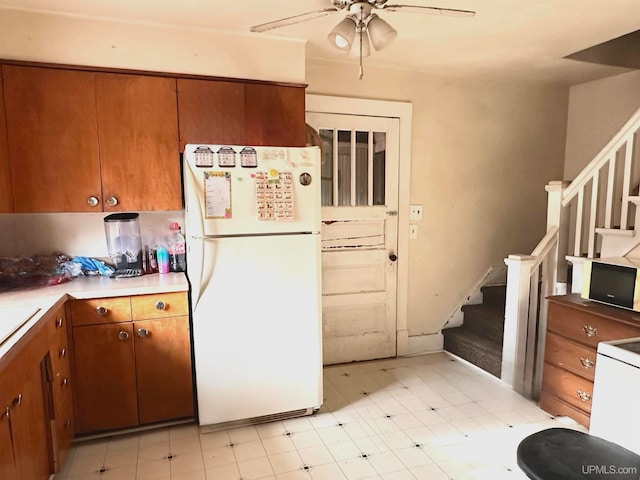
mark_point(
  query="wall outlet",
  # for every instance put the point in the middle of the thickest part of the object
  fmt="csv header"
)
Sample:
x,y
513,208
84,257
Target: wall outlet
x,y
415,212
413,232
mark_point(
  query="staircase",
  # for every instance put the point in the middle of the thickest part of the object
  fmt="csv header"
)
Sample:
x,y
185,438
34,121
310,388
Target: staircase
x,y
479,339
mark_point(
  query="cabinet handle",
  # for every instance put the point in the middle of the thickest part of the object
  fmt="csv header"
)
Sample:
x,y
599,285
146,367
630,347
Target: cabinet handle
x,y
112,201
64,382
590,331
17,400
67,424
584,396
101,311
586,363
62,352
93,201
143,332
161,305
7,412
123,336
59,322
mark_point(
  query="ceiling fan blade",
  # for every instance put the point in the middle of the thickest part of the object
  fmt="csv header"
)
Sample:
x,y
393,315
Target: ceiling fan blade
x,y
303,17
449,12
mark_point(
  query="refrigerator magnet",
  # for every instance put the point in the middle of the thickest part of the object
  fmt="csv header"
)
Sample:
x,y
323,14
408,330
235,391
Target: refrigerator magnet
x,y
226,157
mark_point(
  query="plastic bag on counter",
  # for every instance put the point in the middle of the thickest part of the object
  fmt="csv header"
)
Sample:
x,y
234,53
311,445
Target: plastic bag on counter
x,y
89,266
38,270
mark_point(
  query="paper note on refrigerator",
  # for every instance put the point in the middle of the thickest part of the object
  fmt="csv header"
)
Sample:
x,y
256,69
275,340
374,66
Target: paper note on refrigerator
x,y
274,195
217,194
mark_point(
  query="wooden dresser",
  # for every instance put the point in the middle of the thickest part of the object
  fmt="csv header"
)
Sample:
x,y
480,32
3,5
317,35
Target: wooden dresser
x,y
575,326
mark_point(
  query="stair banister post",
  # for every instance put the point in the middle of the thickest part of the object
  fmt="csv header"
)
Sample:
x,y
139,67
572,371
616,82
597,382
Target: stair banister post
x,y
516,320
558,216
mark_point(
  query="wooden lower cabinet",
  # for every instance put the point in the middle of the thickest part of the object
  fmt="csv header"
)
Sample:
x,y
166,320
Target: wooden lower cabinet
x,y
105,377
574,328
25,447
133,372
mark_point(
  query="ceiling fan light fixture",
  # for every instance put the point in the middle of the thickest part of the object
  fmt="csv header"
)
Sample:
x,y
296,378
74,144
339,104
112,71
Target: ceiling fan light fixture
x,y
343,34
381,33
361,41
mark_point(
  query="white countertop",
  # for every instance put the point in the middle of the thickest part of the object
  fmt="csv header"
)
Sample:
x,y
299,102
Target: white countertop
x,y
21,309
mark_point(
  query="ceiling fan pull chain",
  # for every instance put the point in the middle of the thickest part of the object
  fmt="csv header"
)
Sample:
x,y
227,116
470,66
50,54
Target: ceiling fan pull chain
x,y
360,70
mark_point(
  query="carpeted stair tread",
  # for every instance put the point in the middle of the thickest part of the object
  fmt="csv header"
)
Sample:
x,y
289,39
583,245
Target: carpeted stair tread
x,y
474,348
485,320
494,294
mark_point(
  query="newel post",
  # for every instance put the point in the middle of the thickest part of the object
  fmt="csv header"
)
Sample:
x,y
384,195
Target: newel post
x,y
516,318
558,216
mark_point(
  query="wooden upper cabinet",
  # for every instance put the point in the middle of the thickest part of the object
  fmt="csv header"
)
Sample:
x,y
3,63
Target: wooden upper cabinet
x,y
274,115
6,192
236,113
138,134
210,112
52,137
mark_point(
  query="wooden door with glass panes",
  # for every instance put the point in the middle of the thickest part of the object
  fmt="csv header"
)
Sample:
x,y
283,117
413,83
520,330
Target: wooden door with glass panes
x,y
359,235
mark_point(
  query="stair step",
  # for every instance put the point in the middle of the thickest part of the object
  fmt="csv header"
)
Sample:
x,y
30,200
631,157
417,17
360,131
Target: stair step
x,y
485,320
494,295
480,351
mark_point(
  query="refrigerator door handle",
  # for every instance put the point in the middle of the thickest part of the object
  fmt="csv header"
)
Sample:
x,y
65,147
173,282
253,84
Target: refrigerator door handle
x,y
195,247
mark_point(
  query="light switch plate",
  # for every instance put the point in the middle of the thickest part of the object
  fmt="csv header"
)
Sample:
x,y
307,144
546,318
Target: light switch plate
x,y
415,212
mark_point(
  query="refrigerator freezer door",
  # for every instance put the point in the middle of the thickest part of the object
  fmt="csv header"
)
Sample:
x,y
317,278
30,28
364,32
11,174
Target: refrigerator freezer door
x,y
238,200
256,327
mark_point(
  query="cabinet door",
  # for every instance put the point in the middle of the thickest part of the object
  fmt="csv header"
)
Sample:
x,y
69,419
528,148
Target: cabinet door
x,y
138,132
274,115
163,368
6,192
211,112
52,136
29,420
105,382
7,463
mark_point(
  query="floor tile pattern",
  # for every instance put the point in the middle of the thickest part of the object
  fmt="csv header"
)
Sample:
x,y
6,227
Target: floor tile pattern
x,y
425,417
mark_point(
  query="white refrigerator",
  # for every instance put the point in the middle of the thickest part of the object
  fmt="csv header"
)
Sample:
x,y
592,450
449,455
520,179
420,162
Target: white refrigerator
x,y
253,261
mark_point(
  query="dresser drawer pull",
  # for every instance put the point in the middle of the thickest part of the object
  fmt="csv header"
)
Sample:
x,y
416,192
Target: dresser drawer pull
x,y
101,311
161,305
586,363
590,331
584,396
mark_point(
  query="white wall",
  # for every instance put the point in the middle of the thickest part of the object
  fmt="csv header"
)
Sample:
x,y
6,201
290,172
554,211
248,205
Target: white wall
x,y
482,153
83,41
597,110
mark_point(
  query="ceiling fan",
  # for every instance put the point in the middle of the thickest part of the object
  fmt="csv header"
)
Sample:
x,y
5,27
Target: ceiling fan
x,y
361,25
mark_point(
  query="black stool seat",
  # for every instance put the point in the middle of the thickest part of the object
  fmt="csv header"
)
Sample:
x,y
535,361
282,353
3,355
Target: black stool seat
x,y
565,454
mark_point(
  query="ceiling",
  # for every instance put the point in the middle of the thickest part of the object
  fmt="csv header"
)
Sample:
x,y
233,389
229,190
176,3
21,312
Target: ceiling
x,y
507,39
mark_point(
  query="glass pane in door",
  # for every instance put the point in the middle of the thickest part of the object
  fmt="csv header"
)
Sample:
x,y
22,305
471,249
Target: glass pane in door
x,y
379,167
326,166
344,167
362,168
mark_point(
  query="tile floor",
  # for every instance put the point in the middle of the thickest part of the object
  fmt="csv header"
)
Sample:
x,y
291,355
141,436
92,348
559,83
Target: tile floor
x,y
429,417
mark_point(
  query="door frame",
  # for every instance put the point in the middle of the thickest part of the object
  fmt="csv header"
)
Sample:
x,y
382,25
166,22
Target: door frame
x,y
404,112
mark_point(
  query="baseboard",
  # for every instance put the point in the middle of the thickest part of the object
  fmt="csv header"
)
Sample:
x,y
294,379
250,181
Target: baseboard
x,y
421,344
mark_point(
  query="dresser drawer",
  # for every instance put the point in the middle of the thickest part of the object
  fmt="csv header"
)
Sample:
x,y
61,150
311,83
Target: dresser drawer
x,y
568,387
555,406
100,310
564,353
585,328
159,305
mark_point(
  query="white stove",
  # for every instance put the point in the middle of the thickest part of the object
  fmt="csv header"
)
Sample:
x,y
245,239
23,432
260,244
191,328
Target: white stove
x,y
616,393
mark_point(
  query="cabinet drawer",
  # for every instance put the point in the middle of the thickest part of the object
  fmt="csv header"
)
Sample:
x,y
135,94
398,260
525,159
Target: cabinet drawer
x,y
555,406
568,387
577,358
100,310
585,328
159,305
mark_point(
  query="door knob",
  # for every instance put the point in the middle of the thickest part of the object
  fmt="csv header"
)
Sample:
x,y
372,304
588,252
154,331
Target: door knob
x,y
393,257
